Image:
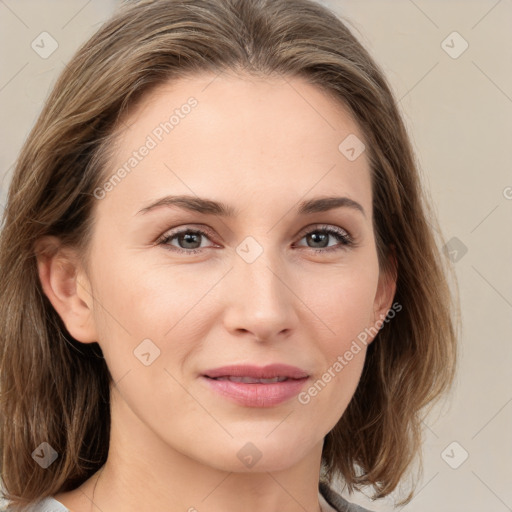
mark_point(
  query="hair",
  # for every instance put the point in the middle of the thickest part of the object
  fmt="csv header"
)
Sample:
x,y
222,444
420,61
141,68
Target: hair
x,y
55,389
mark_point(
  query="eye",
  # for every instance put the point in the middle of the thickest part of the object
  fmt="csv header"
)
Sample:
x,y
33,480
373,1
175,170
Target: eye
x,y
320,238
189,241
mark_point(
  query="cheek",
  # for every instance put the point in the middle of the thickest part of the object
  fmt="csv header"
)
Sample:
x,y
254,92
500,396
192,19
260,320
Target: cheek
x,y
346,308
343,302
137,301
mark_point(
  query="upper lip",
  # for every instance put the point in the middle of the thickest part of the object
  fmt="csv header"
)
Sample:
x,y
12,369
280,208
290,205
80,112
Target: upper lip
x,y
257,372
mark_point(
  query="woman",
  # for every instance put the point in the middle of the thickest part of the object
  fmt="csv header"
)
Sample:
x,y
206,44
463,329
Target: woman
x,y
222,289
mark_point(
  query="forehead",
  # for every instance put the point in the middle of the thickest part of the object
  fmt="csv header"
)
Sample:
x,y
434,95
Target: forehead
x,y
265,138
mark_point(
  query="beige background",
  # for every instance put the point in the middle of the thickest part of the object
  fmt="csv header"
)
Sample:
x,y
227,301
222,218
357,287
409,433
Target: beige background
x,y
459,112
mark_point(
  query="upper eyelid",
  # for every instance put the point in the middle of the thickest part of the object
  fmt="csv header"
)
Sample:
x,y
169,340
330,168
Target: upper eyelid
x,y
320,227
208,232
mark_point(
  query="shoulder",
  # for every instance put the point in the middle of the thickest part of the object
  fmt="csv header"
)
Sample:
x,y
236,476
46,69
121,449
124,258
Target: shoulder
x,y
44,505
331,496
337,501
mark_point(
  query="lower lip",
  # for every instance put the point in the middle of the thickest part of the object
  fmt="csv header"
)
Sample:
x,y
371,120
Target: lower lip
x,y
257,395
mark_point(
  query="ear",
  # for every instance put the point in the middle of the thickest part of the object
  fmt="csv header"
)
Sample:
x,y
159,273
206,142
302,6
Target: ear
x,y
67,287
385,294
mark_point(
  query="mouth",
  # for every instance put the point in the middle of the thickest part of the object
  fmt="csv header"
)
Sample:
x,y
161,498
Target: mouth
x,y
273,373
251,380
253,386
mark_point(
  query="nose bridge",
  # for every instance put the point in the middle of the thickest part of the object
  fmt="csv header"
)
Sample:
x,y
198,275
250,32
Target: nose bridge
x,y
261,269
262,301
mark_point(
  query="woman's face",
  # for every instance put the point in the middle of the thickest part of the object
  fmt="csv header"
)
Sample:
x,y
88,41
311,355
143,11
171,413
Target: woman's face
x,y
181,289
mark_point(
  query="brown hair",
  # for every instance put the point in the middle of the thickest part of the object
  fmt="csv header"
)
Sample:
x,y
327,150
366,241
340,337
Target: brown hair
x,y
56,390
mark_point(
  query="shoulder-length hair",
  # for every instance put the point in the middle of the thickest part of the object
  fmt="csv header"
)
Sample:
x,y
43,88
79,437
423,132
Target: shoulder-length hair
x,y
57,390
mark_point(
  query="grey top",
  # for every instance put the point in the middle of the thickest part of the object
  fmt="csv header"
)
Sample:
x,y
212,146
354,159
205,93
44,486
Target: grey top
x,y
330,499
44,505
339,503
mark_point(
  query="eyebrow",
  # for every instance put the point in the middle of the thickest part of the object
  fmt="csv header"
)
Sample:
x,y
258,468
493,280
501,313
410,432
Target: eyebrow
x,y
210,207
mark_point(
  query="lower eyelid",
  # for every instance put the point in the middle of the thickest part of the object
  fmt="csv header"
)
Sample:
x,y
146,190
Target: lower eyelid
x,y
342,236
344,239
165,239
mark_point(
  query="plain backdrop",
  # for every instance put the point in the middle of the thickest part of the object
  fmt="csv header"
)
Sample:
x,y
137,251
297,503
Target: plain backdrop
x,y
450,65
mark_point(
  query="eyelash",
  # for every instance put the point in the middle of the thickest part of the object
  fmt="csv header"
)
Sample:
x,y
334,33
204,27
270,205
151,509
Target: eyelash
x,y
343,237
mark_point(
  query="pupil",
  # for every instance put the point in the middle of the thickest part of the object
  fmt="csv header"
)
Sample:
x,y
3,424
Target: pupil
x,y
321,237
189,238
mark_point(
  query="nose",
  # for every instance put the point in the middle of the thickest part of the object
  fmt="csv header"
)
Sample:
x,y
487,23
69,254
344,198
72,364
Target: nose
x,y
260,302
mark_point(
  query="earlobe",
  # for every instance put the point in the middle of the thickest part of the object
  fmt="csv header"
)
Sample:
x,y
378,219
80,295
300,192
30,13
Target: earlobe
x,y
67,288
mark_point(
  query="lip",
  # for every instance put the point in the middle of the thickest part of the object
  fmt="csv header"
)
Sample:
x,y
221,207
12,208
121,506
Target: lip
x,y
257,394
257,372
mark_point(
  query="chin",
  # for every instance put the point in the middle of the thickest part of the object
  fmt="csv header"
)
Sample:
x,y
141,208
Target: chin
x,y
261,454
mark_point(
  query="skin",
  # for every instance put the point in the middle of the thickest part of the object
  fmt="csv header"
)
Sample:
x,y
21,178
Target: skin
x,y
261,146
